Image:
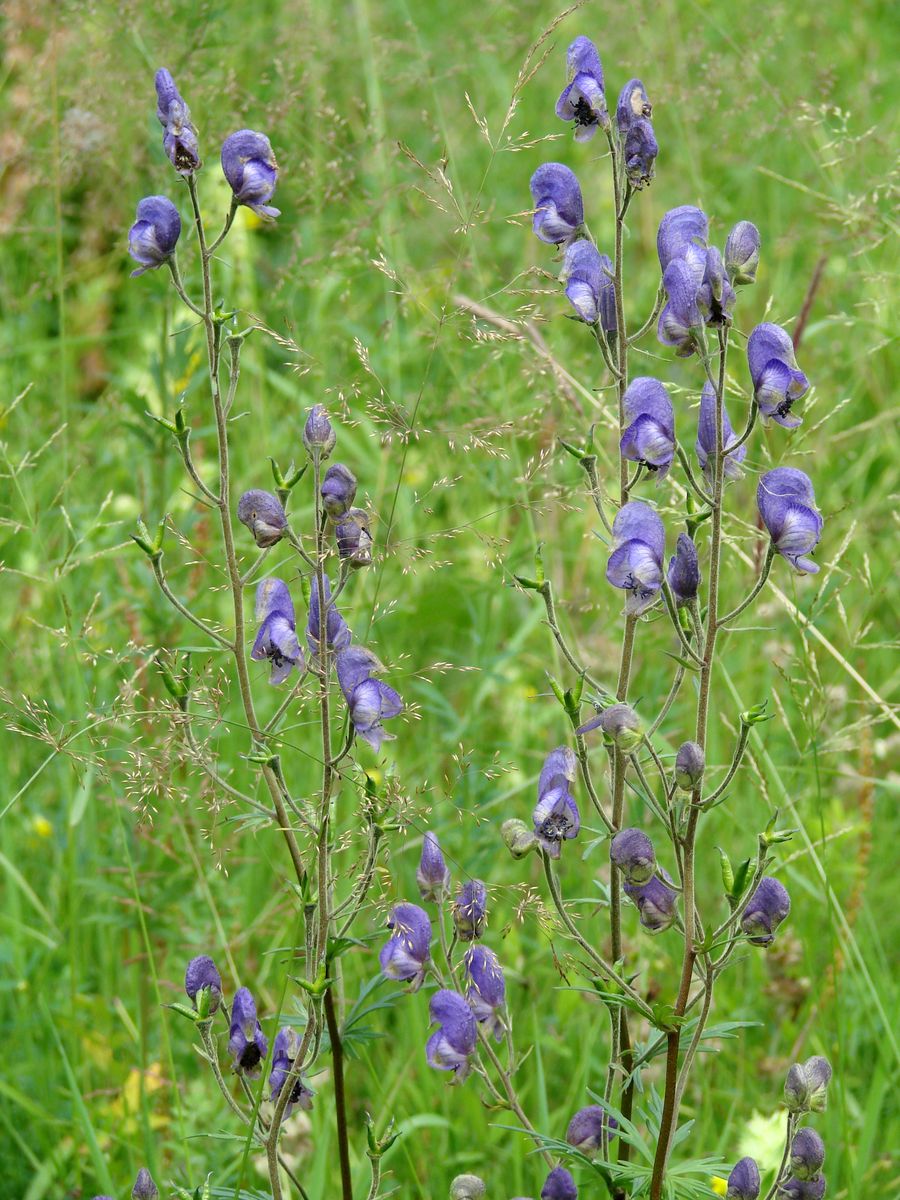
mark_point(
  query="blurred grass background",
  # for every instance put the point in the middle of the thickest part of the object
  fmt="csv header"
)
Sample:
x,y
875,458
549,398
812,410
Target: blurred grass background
x,y
117,864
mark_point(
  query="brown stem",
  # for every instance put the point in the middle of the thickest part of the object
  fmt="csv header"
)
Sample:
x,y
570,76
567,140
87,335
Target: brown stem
x,y
340,1106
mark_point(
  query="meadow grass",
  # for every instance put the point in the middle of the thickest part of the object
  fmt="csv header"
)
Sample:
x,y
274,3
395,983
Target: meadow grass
x,y
404,193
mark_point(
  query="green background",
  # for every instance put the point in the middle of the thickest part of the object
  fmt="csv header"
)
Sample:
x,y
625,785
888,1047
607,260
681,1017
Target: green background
x,y
117,863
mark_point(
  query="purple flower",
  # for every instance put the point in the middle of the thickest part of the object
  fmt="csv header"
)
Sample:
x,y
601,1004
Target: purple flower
x,y
742,253
787,505
636,562
336,628
680,230
318,433
276,638
432,874
684,571
144,1187
807,1154
744,1181
777,380
451,1045
559,1185
559,209
284,1052
203,984
640,153
585,1130
802,1189
369,700
633,105
655,902
154,234
690,763
632,852
583,99
247,1043
806,1085
649,436
697,288
767,908
354,539
716,296
406,953
180,137
486,991
263,515
470,910
587,275
338,490
556,815
620,723
681,319
251,170
705,445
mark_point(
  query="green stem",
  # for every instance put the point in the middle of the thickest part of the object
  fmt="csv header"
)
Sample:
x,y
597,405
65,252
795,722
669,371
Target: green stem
x,y
757,587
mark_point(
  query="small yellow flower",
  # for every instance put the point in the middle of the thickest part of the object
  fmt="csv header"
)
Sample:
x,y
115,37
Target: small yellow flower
x,y
41,827
719,1185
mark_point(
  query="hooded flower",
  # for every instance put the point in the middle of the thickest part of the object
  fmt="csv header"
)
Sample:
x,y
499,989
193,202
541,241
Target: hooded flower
x,y
154,234
470,910
744,1181
681,230
640,153
451,1045
354,538
585,1131
802,1189
406,953
697,288
337,631
690,763
144,1187
636,562
559,1186
633,105
787,505
655,902
276,638
284,1051
338,490
249,166
716,296
432,874
559,209
807,1154
632,852
202,976
742,253
318,433
180,137
705,445
263,515
369,700
556,817
620,723
806,1085
777,380
486,990
649,436
583,99
767,908
247,1043
684,571
587,275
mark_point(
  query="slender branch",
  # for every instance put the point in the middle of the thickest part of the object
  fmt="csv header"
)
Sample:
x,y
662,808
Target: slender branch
x,y
788,1138
179,287
691,477
652,319
672,610
225,228
340,1106
748,428
757,587
183,609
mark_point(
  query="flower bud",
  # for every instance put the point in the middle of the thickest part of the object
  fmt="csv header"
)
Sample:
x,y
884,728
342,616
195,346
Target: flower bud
x,y
656,903
263,515
585,1130
470,910
807,1154
203,984
249,165
690,762
432,874
766,909
519,839
467,1187
144,1187
684,571
154,234
354,538
318,435
338,490
743,1182
180,136
559,1185
802,1189
632,852
806,1085
742,253
621,723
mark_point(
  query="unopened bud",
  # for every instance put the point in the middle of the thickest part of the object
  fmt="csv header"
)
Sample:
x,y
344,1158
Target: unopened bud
x,y
689,765
519,839
318,435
